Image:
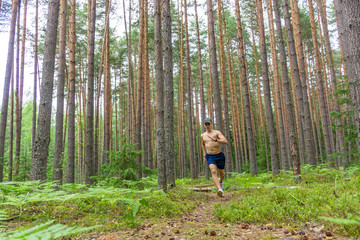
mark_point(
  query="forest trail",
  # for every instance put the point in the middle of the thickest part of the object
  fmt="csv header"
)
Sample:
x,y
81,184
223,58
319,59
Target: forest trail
x,y
202,224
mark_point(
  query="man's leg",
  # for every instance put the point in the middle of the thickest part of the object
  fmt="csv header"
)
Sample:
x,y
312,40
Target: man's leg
x,y
213,170
222,174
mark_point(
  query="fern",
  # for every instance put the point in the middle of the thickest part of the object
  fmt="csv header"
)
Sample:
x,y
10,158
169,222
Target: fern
x,y
45,231
343,221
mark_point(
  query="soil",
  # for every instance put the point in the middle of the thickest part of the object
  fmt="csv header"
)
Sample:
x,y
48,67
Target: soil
x,y
202,224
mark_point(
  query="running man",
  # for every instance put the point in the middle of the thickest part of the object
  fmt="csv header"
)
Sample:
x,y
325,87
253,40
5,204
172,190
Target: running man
x,y
213,155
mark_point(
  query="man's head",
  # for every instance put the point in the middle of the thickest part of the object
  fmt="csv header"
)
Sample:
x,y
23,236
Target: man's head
x,y
208,124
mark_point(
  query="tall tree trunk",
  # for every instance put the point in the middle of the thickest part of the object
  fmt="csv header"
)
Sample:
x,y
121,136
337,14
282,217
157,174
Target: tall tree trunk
x,y
11,137
8,72
140,85
33,132
320,81
287,90
214,67
17,80
228,151
20,95
190,99
146,102
160,132
299,93
169,92
249,128
274,56
89,148
261,109
308,134
335,105
183,157
59,148
42,139
107,91
130,74
348,13
201,77
234,104
267,93
70,176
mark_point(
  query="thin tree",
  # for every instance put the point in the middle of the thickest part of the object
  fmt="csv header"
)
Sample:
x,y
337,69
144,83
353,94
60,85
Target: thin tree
x,y
42,139
107,90
335,105
70,176
287,91
17,83
160,132
280,110
225,107
190,98
11,137
140,82
59,148
33,132
201,77
20,94
89,149
320,83
308,133
8,72
214,67
266,86
295,68
246,97
169,92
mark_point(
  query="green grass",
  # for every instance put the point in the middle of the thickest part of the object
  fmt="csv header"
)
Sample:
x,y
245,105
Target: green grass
x,y
324,196
33,203
322,193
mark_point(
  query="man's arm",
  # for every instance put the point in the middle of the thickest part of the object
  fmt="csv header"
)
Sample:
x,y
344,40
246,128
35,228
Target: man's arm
x,y
203,147
220,138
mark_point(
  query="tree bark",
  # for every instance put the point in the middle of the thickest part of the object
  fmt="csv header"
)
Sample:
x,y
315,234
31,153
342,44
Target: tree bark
x,y
107,91
160,132
20,95
267,93
229,159
140,85
89,148
59,148
348,13
190,99
214,67
249,128
287,90
33,132
308,134
8,72
169,92
70,176
42,139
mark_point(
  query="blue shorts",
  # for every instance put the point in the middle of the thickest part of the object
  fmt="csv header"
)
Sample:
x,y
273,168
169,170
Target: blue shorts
x,y
217,159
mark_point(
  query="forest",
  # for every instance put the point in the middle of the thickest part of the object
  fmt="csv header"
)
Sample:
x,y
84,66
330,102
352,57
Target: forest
x,y
103,107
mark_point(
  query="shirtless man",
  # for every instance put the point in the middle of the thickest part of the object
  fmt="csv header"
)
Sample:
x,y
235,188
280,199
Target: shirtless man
x,y
213,155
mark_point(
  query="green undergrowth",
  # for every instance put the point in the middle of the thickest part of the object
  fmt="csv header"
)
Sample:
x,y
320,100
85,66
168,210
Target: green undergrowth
x,y
30,204
325,196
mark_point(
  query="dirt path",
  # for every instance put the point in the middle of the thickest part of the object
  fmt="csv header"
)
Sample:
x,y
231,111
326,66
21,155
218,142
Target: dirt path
x,y
202,224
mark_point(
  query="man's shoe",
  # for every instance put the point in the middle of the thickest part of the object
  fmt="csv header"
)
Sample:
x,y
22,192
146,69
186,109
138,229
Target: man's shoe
x,y
220,193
